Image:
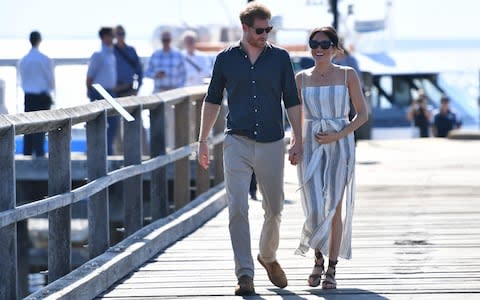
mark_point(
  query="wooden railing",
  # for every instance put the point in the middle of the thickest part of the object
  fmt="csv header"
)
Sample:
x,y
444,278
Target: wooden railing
x,y
58,124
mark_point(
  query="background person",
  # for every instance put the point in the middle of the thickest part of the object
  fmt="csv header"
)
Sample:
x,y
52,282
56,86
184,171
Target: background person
x,y
444,120
102,69
38,82
197,64
129,66
129,79
420,115
257,77
167,66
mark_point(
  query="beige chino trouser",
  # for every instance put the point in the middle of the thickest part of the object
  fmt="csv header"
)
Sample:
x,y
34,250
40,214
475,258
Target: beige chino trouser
x,y
241,157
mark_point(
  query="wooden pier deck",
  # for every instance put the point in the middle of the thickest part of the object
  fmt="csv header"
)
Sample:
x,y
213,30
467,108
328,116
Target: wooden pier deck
x,y
416,235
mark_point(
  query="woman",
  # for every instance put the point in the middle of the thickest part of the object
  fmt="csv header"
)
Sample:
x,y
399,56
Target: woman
x,y
326,173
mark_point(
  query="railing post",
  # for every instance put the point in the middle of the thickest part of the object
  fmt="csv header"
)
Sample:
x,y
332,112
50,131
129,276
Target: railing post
x,y
8,234
59,220
98,213
158,177
219,127
181,181
133,187
202,181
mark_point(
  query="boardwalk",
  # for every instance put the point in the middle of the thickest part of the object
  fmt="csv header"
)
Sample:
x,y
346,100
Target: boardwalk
x,y
416,235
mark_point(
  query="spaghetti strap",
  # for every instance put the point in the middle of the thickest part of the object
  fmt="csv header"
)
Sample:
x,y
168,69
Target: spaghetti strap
x,y
345,83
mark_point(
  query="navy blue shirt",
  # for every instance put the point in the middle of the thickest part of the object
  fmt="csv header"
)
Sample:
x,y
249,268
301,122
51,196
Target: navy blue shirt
x,y
445,122
254,91
128,64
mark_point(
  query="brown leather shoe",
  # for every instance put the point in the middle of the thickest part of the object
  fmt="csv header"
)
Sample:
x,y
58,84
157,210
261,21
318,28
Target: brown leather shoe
x,y
275,272
244,286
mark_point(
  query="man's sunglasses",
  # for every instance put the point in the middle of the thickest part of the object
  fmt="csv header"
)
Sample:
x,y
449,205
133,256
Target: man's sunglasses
x,y
325,44
262,30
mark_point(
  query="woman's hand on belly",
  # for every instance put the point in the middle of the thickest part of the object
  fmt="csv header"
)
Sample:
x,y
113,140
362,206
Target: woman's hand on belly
x,y
326,137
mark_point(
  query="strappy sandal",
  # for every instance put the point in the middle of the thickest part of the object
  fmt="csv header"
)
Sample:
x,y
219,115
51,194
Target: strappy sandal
x,y
315,278
329,282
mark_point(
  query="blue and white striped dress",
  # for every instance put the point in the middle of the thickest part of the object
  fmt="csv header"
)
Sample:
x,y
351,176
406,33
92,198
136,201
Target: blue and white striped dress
x,y
326,173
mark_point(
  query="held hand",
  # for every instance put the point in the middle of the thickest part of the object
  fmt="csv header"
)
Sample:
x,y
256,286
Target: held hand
x,y
326,137
295,153
203,160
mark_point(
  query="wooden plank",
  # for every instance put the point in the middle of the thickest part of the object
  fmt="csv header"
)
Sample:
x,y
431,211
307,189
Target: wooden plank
x,y
48,120
91,188
27,168
59,172
218,128
8,234
181,183
98,274
133,186
328,295
202,180
411,239
158,182
98,204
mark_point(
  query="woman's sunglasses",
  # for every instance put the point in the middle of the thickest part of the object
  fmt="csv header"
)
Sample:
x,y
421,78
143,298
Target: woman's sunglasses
x,y
325,44
262,30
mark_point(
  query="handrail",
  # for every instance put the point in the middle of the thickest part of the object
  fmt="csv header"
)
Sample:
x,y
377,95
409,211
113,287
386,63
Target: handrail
x,y
58,123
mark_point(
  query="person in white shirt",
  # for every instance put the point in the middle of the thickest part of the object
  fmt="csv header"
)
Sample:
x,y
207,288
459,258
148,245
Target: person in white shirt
x,y
197,63
38,82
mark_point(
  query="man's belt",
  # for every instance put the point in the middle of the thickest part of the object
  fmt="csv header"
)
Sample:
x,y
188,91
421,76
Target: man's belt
x,y
242,132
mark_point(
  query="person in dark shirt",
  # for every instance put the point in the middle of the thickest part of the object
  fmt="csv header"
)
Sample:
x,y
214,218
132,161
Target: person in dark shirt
x,y
445,120
129,66
257,76
420,115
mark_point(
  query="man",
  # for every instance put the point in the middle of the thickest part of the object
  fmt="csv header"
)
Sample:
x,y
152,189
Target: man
x,y
129,66
102,69
257,76
129,79
197,63
167,66
38,82
445,120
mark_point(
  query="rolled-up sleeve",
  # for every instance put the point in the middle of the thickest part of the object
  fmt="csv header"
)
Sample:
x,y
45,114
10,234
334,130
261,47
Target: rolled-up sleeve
x,y
290,95
217,82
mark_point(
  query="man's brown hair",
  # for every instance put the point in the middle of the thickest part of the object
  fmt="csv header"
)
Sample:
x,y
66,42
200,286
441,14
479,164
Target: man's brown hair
x,y
252,11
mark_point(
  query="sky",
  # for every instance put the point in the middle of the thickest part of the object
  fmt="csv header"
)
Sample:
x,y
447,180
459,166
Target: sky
x,y
61,19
